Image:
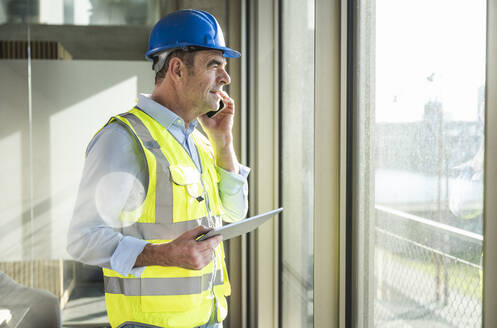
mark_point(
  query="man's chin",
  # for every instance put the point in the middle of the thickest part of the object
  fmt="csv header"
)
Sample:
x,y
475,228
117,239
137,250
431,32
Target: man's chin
x,y
212,107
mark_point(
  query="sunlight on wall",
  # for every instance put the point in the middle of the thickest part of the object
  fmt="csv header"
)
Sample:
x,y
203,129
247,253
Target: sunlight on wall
x,y
14,166
70,131
71,101
72,128
11,207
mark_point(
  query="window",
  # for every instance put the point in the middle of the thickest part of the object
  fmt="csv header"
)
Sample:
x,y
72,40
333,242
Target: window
x,y
418,177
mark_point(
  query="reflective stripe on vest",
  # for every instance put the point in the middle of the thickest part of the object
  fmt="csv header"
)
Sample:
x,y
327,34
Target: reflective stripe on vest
x,y
161,286
163,210
151,231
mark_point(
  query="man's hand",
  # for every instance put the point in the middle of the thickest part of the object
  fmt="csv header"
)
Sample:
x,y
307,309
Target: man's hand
x,y
184,251
219,127
218,130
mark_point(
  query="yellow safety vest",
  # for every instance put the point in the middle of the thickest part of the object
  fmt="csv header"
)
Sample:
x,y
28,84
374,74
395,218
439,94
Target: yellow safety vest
x,y
178,199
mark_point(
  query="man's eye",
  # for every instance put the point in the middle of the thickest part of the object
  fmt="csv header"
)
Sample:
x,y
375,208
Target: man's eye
x,y
215,64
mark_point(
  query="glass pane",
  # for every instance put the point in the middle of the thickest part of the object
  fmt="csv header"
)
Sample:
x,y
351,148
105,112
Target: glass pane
x,y
52,105
63,124
75,79
18,264
297,118
419,191
80,12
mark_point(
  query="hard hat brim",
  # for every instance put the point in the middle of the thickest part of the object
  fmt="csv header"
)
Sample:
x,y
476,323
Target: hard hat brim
x,y
227,52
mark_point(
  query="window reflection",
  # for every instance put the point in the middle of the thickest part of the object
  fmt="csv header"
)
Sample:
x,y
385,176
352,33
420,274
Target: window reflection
x,y
80,12
52,105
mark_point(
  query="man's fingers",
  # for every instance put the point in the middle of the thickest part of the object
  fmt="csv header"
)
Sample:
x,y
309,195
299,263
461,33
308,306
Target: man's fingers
x,y
228,101
203,256
210,243
225,96
193,254
214,241
195,232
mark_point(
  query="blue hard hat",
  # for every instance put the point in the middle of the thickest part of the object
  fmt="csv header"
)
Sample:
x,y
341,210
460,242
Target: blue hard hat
x,y
188,28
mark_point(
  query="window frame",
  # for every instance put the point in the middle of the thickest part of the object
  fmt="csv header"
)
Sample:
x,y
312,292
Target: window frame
x,y
489,315
329,163
260,133
261,246
490,185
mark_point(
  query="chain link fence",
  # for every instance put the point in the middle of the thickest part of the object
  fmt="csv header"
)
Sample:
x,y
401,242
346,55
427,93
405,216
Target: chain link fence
x,y
427,282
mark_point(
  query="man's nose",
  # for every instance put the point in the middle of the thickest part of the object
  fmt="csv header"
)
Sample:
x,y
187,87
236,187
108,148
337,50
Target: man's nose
x,y
224,78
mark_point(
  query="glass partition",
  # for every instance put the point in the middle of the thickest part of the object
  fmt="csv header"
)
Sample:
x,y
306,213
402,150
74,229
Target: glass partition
x,y
81,12
53,102
66,66
18,267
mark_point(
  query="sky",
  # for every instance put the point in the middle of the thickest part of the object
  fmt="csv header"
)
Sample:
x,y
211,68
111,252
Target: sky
x,y
441,39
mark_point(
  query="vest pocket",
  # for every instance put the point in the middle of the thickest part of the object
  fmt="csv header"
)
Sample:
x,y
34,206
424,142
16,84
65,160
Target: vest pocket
x,y
170,303
188,193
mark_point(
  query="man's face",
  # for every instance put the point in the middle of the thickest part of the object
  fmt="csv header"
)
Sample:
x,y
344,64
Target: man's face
x,y
204,80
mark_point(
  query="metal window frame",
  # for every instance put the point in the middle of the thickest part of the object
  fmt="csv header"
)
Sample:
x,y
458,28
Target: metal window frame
x,y
490,184
329,163
253,259
262,154
235,247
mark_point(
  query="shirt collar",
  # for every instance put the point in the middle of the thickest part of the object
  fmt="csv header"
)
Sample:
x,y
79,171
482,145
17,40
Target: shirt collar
x,y
163,115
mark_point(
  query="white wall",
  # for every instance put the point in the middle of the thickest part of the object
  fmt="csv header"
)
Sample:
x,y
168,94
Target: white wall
x,y
14,182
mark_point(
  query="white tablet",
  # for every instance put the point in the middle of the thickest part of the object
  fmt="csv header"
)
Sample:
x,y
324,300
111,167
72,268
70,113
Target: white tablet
x,y
240,227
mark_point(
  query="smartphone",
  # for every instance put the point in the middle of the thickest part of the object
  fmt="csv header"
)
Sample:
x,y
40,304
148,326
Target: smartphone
x,y
213,113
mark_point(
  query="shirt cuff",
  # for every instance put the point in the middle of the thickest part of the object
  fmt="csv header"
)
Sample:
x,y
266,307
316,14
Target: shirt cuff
x,y
231,183
124,257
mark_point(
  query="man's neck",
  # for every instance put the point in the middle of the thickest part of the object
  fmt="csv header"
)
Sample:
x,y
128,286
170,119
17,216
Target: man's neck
x,y
171,102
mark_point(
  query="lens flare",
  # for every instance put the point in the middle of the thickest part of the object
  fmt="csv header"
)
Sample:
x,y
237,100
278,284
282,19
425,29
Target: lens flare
x,y
118,198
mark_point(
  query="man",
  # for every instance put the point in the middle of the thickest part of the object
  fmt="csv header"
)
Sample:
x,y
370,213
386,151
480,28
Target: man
x,y
152,184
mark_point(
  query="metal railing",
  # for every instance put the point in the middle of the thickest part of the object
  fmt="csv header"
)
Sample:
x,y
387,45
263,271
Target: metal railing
x,y
424,281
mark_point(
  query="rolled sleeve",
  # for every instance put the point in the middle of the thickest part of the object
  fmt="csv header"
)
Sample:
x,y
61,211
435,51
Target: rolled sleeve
x,y
233,190
124,257
231,183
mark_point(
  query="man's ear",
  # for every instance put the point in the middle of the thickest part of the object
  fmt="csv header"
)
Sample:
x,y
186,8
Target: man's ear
x,y
176,68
